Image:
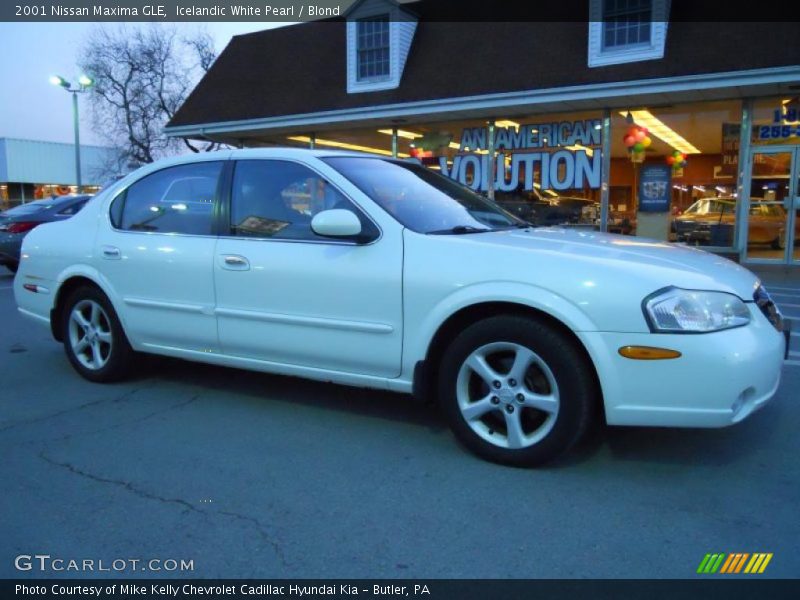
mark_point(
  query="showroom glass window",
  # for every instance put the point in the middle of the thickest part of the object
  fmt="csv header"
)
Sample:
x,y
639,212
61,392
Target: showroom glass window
x,y
548,167
703,205
277,199
178,199
626,22
774,187
372,39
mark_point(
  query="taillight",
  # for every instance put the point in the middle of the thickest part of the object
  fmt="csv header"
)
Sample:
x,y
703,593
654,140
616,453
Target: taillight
x,y
21,226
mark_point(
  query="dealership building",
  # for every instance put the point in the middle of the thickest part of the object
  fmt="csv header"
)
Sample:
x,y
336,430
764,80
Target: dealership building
x,y
35,169
634,120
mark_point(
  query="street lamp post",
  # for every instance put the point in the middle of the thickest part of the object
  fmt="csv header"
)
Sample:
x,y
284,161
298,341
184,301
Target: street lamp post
x,y
84,84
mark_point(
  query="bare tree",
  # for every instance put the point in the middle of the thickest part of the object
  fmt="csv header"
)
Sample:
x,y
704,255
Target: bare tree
x,y
142,76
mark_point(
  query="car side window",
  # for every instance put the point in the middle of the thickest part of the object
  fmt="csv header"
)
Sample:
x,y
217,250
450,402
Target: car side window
x,y
277,199
72,209
178,199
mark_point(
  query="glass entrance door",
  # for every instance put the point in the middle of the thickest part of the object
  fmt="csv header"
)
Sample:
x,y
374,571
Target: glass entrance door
x,y
772,220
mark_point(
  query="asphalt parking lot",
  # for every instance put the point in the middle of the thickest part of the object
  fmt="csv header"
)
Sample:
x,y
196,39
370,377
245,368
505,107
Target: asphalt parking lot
x,y
251,475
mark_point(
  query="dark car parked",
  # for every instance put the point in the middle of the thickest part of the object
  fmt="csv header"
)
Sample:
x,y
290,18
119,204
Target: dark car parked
x,y
15,223
546,212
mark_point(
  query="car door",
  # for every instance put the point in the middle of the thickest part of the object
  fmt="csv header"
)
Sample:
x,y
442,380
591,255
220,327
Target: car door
x,y
289,296
158,255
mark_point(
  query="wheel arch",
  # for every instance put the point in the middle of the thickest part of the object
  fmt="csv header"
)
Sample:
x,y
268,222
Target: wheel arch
x,y
425,370
71,281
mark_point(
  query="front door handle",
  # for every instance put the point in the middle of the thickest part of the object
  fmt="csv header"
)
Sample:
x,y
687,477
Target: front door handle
x,y
234,262
111,253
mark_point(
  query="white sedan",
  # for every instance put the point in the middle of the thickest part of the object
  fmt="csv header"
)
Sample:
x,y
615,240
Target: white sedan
x,y
373,272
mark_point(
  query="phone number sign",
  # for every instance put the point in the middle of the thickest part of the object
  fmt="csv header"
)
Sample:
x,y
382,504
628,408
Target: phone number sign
x,y
785,124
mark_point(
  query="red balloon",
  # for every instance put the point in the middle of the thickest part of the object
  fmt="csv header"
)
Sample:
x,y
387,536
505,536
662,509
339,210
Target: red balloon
x,y
629,141
670,160
632,130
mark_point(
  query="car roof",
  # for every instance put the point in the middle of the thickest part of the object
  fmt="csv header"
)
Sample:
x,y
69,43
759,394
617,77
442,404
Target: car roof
x,y
70,199
275,152
288,151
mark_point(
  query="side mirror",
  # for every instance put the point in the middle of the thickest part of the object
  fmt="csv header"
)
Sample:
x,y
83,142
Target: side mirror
x,y
337,222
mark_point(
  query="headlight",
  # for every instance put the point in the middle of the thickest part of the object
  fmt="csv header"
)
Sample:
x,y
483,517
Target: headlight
x,y
691,311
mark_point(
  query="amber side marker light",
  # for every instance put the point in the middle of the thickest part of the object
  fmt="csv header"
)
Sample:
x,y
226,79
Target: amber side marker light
x,y
648,353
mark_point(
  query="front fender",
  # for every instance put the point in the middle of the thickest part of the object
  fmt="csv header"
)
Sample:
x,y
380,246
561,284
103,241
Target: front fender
x,y
422,323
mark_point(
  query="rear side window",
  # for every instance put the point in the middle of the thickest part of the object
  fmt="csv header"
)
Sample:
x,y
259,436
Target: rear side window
x,y
72,209
177,199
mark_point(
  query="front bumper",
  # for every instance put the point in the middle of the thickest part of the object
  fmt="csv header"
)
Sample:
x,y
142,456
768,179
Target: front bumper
x,y
720,379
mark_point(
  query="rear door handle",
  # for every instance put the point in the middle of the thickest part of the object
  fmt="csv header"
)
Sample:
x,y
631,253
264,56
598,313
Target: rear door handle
x,y
111,253
234,262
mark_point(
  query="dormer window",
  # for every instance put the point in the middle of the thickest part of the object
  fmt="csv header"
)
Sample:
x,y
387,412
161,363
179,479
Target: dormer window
x,y
626,22
622,31
372,39
379,36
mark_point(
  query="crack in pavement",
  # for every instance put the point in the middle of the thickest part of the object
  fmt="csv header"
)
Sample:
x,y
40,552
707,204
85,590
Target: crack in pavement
x,y
276,548
123,484
80,407
188,506
118,425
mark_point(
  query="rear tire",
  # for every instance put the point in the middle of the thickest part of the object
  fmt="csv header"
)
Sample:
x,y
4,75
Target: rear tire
x,y
779,243
517,390
94,340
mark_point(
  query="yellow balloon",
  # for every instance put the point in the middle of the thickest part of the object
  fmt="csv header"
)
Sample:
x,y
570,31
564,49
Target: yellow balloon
x,y
647,141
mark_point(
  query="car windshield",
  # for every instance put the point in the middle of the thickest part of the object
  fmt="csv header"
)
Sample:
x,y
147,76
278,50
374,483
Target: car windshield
x,y
28,209
706,206
421,199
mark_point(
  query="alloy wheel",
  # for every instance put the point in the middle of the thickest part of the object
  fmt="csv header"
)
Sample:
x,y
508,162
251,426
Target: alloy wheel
x,y
90,334
507,395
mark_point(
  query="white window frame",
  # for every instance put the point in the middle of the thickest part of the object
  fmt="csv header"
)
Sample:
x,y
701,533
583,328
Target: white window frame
x,y
374,78
401,31
653,50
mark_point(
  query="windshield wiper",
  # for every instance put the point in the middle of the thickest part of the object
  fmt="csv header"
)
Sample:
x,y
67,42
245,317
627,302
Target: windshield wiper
x,y
460,230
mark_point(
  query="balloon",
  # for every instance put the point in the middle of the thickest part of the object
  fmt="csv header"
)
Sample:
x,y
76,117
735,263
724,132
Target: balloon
x,y
670,160
632,130
629,141
638,146
645,130
647,141
683,163
677,154
639,135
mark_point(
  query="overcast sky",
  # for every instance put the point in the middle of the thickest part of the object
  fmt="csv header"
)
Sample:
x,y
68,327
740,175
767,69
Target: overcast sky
x,y
32,108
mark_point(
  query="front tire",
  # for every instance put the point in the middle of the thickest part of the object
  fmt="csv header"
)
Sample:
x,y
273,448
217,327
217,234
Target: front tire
x,y
779,243
94,340
517,390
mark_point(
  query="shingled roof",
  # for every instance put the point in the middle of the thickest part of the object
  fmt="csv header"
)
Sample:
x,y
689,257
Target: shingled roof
x,y
302,68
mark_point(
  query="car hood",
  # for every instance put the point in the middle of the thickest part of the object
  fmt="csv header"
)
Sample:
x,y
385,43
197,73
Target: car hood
x,y
653,263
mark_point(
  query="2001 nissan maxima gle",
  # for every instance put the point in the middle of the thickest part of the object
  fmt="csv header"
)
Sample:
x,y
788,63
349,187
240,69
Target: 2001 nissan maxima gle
x,y
373,272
